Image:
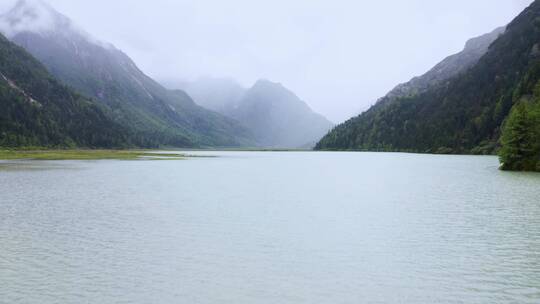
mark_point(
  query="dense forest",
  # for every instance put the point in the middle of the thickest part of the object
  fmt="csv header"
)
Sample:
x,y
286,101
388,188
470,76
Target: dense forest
x,y
39,111
464,114
521,132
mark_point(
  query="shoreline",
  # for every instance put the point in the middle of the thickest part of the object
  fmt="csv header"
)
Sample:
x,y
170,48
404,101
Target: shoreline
x,y
88,154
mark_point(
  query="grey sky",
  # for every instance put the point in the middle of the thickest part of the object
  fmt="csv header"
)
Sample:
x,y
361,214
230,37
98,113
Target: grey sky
x,y
339,55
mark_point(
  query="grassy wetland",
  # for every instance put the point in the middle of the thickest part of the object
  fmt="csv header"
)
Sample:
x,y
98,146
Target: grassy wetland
x,y
88,155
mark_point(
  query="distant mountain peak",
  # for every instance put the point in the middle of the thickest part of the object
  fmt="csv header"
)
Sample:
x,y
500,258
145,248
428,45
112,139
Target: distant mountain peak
x,y
275,89
275,115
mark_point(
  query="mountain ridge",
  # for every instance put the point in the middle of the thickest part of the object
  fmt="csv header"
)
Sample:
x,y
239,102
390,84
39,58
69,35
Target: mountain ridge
x,y
277,117
449,116
450,66
101,71
38,111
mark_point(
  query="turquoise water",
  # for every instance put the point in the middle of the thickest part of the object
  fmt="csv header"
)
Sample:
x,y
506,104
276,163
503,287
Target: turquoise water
x,y
270,227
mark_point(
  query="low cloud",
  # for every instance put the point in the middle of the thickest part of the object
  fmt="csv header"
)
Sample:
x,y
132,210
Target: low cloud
x,y
339,56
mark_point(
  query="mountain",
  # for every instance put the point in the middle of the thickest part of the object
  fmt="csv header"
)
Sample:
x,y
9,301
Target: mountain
x,y
275,115
38,111
278,118
217,94
100,71
451,66
461,114
493,104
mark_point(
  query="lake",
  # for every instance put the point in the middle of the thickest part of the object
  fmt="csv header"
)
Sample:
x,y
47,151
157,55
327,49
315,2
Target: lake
x,y
270,227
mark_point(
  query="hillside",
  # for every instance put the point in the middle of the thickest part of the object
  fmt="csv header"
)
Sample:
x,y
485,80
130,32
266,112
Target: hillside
x,y
39,111
450,67
99,70
461,115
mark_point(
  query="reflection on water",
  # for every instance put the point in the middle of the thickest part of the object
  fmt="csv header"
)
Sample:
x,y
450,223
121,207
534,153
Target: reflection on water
x,y
270,227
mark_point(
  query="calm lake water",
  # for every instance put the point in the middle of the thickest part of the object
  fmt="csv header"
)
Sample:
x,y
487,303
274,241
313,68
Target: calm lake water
x,y
251,227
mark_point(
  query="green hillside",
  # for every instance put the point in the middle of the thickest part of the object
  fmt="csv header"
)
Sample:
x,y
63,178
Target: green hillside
x,y
39,111
462,115
101,71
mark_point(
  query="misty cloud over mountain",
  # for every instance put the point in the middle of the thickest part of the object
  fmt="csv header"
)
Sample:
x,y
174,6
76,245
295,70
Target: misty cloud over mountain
x,y
100,71
276,116
339,56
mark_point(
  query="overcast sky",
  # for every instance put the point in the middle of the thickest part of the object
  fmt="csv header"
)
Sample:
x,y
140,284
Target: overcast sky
x,y
337,55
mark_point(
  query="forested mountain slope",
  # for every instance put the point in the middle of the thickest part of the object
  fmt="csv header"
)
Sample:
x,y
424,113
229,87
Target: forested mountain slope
x,y
100,71
462,115
450,67
36,110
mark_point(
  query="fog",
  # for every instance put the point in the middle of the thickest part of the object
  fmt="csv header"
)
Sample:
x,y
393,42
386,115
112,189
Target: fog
x,y
339,56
